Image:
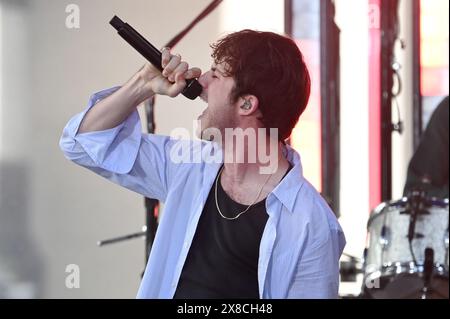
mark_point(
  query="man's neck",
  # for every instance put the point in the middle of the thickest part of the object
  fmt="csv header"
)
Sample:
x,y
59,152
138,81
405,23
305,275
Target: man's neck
x,y
239,172
242,182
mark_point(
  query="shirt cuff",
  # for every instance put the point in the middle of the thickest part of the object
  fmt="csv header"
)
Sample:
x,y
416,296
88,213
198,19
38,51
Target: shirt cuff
x,y
114,149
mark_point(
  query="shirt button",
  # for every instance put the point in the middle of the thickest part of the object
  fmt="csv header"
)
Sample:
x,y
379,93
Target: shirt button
x,y
186,245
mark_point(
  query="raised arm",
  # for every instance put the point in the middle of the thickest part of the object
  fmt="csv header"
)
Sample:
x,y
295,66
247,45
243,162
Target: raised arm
x,y
114,109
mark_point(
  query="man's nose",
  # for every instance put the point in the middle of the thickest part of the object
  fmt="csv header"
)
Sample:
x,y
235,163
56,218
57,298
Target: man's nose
x,y
204,80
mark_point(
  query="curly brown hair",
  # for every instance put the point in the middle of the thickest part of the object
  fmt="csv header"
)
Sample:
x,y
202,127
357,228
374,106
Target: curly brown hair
x,y
271,67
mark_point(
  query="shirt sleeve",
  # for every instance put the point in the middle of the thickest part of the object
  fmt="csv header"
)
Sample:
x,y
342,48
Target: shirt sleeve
x,y
121,154
317,274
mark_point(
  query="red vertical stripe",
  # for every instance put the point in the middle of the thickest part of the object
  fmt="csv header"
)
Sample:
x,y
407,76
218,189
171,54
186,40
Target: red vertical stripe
x,y
374,104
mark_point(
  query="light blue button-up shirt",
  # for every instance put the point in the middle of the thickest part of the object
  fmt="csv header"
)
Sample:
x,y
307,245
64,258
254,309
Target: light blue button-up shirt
x,y
302,240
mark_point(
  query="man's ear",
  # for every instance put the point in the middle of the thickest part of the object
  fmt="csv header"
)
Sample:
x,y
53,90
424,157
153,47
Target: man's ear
x,y
248,104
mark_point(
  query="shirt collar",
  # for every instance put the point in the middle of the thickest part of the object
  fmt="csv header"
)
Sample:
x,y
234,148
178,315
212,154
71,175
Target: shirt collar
x,y
286,191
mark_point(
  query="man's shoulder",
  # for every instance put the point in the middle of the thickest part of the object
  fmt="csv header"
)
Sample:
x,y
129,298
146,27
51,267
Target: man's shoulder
x,y
312,208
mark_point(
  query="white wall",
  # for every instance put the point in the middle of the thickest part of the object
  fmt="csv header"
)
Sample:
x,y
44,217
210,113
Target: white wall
x,y
352,19
48,73
59,209
1,84
263,15
402,144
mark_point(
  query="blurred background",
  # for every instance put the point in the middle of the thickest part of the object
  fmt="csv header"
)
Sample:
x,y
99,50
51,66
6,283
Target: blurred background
x,y
55,54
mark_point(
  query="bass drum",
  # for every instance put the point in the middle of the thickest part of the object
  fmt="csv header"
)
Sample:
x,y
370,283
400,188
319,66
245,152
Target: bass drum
x,y
393,265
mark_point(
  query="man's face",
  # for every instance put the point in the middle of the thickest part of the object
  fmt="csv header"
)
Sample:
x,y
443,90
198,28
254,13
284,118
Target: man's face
x,y
220,113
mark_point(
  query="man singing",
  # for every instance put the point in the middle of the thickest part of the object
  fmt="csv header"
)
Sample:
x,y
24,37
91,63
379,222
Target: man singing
x,y
243,222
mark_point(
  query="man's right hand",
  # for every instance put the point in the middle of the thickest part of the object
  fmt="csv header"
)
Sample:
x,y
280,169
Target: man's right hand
x,y
171,81
147,82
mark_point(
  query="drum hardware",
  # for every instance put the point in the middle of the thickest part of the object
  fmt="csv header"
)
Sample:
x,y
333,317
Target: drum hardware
x,y
428,271
408,249
415,206
122,238
350,267
384,237
446,239
446,247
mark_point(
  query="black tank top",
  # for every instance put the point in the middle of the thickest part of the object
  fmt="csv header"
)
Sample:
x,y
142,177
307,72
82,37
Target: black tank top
x,y
223,259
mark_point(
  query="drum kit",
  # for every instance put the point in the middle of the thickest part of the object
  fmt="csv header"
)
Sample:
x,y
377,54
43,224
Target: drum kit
x,y
407,252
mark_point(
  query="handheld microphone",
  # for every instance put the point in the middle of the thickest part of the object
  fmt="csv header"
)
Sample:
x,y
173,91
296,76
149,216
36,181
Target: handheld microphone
x,y
192,90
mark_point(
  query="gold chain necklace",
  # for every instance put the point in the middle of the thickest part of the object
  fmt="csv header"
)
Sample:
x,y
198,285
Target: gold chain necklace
x,y
244,211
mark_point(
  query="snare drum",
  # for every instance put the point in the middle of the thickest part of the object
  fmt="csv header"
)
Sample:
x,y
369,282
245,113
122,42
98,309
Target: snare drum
x,y
389,267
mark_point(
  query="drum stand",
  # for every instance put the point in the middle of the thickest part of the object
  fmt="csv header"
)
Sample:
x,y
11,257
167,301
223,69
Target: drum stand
x,y
427,272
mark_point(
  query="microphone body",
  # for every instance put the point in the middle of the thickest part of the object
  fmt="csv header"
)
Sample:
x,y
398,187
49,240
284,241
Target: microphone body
x,y
192,90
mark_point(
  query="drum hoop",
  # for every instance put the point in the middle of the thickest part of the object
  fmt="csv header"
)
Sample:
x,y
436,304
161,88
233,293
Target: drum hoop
x,y
397,268
380,209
